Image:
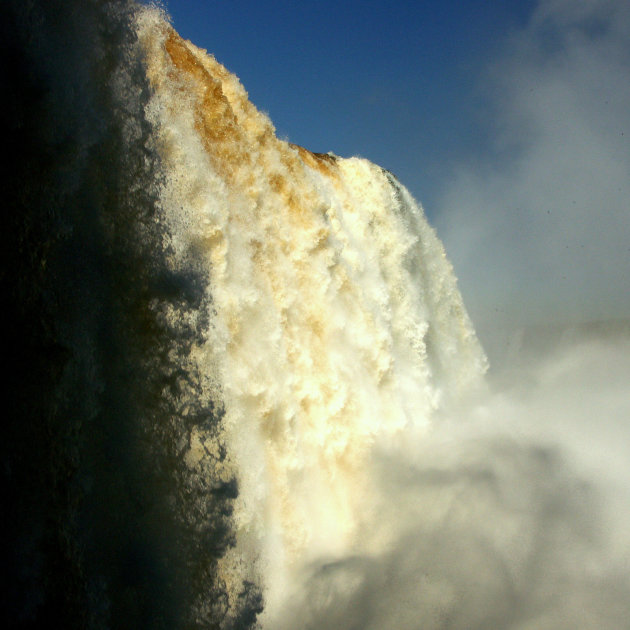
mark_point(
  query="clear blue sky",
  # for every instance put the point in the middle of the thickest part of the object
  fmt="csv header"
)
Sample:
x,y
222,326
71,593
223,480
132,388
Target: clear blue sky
x,y
509,121
395,82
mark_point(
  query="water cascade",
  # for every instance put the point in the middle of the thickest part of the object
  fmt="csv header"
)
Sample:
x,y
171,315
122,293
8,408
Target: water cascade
x,y
231,355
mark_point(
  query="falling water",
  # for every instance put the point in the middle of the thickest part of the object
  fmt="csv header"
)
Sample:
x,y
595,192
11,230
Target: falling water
x,y
238,369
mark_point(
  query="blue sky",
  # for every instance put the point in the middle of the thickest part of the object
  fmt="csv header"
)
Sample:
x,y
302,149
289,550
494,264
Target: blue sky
x,y
509,122
393,82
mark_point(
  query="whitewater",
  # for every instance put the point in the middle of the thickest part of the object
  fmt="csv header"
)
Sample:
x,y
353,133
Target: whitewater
x,y
246,391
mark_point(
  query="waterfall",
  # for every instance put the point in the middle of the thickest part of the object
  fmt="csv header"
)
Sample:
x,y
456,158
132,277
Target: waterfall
x,y
245,389
336,319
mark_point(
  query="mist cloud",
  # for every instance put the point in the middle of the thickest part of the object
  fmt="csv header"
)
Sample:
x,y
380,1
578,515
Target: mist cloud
x,y
540,230
512,515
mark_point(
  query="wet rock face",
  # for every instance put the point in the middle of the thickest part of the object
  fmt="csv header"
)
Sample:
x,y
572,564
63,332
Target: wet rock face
x,y
100,531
